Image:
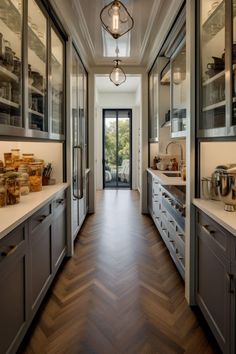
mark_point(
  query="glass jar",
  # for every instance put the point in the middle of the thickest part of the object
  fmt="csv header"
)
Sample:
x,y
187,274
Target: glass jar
x,y
13,189
35,176
15,154
24,180
8,159
28,158
3,192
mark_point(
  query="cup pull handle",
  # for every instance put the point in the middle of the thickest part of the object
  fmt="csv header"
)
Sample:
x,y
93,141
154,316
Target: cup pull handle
x,y
11,250
43,217
208,230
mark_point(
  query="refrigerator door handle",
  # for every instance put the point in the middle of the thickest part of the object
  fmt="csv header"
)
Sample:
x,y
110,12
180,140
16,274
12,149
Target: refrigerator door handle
x,y
79,162
81,194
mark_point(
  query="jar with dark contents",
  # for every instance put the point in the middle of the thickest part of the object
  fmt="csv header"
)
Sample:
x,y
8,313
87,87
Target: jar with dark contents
x,y
13,188
3,192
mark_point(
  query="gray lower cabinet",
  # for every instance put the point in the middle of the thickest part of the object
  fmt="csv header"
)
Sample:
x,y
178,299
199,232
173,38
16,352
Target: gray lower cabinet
x,y
216,280
29,258
40,249
150,204
14,288
59,230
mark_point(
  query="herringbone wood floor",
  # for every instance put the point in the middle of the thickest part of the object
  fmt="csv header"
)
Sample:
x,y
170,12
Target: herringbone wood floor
x,y
120,293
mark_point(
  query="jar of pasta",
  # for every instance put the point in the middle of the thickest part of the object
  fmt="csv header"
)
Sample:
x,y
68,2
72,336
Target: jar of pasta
x,y
13,188
35,176
24,180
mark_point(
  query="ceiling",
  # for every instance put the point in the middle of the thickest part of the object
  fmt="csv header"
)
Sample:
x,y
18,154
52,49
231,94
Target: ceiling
x,y
152,21
104,85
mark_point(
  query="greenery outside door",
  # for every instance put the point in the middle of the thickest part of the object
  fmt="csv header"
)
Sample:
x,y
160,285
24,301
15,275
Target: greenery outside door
x,y
117,142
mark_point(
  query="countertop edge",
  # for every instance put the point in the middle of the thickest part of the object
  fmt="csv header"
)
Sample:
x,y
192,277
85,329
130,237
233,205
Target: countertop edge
x,y
207,209
29,213
164,180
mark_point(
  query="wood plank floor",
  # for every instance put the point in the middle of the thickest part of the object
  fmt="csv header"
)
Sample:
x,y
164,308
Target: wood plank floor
x,y
120,293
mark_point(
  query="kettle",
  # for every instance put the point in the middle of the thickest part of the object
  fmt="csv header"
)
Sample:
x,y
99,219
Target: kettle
x,y
226,185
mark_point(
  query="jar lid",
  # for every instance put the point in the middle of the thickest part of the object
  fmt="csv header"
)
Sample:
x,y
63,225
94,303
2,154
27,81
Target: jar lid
x,y
15,149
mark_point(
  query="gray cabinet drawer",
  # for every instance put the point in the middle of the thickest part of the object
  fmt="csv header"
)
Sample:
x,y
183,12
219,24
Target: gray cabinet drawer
x,y
216,237
40,217
59,203
13,242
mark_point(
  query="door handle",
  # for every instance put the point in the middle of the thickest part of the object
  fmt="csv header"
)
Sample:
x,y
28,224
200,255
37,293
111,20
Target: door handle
x,y
81,191
11,250
230,279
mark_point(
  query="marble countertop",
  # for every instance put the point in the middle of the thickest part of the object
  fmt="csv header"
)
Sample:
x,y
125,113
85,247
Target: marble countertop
x,y
13,215
215,210
165,180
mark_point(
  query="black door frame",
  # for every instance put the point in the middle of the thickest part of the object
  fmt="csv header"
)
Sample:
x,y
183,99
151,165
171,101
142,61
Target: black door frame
x,y
103,147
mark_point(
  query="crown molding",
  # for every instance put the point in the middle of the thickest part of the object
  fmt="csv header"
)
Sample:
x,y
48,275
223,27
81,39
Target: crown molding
x,y
83,27
155,7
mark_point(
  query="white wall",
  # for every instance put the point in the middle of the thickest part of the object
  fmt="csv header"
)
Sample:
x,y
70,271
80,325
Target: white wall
x,y
118,100
49,152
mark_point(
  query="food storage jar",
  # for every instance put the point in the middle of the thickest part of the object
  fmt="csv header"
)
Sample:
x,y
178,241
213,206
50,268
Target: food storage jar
x,y
28,158
3,192
8,159
13,188
15,154
35,176
24,180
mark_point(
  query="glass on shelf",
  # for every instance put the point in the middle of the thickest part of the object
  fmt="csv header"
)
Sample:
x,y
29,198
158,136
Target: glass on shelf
x,y
57,83
178,111
212,20
10,62
37,67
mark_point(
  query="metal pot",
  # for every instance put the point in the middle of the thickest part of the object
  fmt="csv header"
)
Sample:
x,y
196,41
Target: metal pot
x,y
227,191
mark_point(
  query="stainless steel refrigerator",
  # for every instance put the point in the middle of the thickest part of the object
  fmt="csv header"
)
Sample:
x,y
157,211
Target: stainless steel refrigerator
x,y
79,142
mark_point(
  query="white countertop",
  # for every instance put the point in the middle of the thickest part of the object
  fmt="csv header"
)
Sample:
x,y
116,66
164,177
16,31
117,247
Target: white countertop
x,y
13,215
215,209
165,180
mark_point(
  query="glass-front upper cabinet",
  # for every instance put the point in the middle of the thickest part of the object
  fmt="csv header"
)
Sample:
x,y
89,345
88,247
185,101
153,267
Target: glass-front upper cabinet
x,y
153,90
212,115
57,83
178,93
11,15
32,69
37,67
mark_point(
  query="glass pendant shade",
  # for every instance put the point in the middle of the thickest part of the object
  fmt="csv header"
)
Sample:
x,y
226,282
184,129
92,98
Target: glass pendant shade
x,y
117,76
116,19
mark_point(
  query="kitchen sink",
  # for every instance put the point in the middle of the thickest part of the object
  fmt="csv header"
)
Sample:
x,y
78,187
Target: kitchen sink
x,y
173,174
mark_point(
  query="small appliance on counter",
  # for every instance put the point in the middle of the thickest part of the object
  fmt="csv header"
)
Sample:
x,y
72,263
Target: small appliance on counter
x,y
221,186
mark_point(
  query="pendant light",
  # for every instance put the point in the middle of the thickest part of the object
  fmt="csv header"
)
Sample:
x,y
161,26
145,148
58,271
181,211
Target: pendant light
x,y
116,19
117,76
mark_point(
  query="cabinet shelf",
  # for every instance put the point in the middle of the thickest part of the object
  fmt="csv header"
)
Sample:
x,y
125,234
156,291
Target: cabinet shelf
x,y
7,75
41,115
214,20
213,78
213,106
6,102
35,90
165,80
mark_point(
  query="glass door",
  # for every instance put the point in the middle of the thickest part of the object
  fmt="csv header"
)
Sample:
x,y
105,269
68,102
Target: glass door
x,y
37,67
117,144
57,83
178,94
11,15
212,117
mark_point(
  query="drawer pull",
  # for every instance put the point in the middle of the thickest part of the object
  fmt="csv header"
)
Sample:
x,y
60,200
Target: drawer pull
x,y
230,279
180,258
208,230
60,201
42,218
172,241
181,235
11,250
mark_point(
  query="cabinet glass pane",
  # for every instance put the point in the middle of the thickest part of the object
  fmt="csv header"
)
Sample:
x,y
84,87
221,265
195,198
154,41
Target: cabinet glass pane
x,y
212,22
234,63
155,102
37,67
178,111
57,81
10,62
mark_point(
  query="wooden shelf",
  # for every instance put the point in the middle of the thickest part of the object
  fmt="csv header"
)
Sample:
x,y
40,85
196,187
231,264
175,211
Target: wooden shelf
x,y
7,75
41,115
213,78
213,106
35,90
9,103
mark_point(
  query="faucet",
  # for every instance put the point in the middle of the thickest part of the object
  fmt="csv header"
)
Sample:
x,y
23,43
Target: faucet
x,y
181,148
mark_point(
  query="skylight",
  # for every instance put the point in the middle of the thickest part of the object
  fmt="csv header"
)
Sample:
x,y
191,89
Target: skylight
x,y
109,45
